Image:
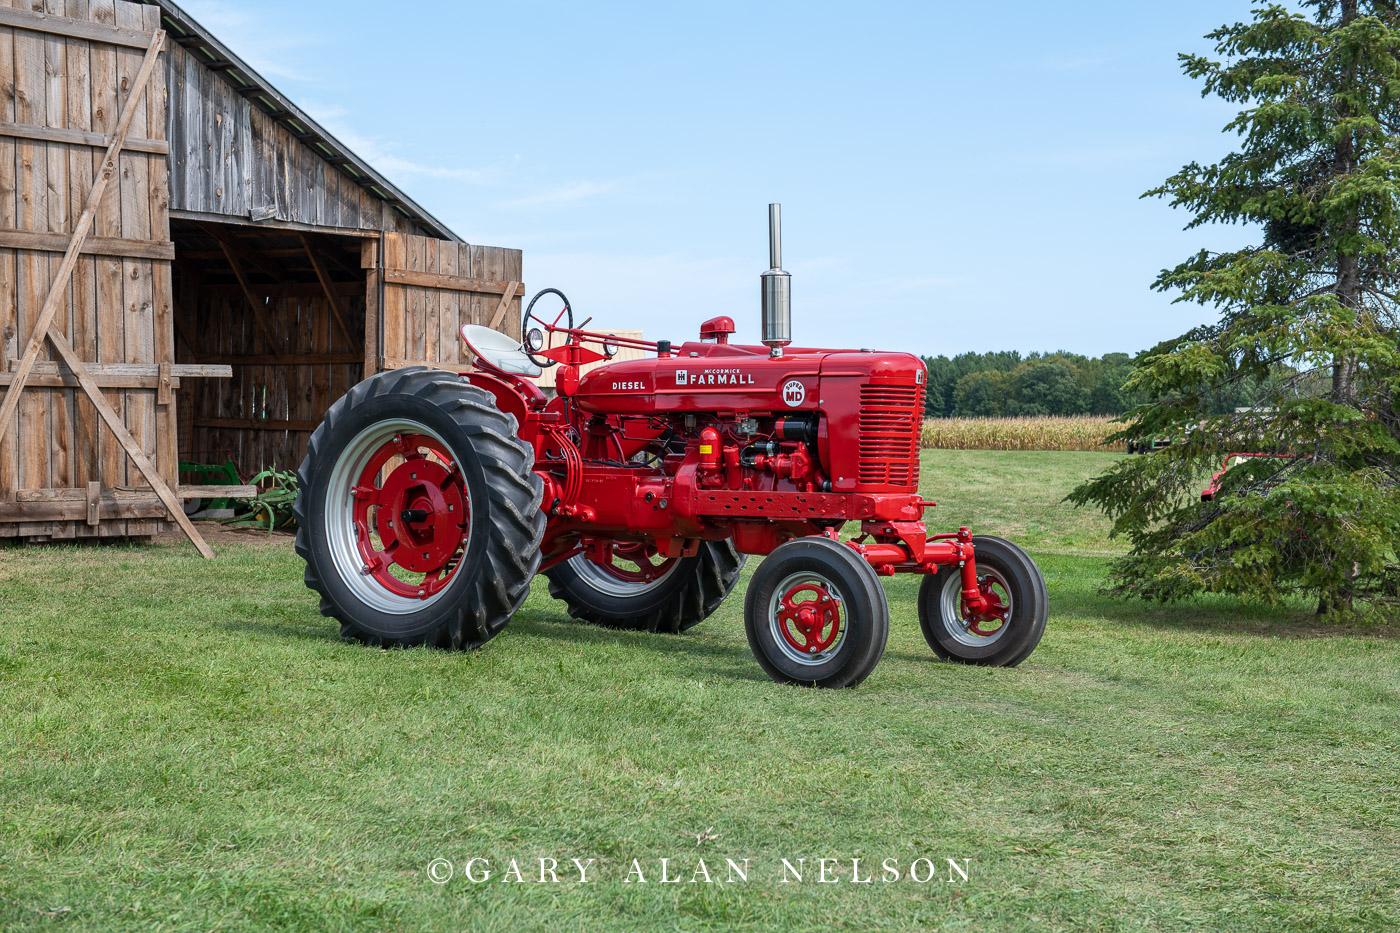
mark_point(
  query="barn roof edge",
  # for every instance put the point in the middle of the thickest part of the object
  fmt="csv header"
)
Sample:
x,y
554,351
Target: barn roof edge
x,y
189,32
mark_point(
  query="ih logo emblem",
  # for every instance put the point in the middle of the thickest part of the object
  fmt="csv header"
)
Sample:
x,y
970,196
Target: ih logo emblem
x,y
793,393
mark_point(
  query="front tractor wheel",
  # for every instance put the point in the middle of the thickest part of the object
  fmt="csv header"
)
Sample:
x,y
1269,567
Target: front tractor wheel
x,y
419,512
643,591
1007,631
816,614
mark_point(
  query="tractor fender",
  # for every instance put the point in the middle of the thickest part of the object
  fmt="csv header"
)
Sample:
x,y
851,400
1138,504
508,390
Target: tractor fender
x,y
514,397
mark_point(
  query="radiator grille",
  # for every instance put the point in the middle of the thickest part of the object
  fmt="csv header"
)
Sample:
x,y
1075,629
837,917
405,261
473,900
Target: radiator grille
x,y
889,435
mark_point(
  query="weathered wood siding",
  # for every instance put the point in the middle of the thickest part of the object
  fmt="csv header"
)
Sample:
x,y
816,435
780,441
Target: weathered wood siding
x,y
59,95
432,287
264,416
230,157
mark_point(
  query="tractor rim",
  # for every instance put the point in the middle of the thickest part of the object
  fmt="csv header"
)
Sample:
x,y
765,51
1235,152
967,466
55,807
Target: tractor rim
x,y
805,617
398,516
634,569
980,629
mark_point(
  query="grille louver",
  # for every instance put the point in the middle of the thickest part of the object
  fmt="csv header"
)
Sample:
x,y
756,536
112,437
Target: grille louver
x,y
889,435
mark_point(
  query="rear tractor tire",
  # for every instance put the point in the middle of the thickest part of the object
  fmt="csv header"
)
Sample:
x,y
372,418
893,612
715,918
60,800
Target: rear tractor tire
x,y
1008,632
419,512
816,614
644,592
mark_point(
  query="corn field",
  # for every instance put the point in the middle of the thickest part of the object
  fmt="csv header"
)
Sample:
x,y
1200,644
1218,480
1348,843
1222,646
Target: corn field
x,y
1055,432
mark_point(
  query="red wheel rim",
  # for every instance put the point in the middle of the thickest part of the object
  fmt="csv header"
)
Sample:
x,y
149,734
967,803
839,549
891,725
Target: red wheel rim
x,y
412,520
807,615
991,619
649,565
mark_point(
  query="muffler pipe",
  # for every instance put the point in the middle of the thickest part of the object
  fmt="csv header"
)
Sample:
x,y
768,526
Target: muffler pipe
x,y
776,288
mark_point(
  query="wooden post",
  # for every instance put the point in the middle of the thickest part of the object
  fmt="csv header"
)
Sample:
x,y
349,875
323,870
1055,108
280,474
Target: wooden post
x,y
94,490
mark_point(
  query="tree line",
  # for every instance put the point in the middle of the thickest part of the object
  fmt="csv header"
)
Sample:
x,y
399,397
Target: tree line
x,y
1005,383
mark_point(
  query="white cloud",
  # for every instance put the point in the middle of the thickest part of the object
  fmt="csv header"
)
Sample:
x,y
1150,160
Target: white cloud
x,y
380,154
563,194
267,49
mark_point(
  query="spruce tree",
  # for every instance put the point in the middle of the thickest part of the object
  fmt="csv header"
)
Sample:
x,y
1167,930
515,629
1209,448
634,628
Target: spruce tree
x,y
1317,173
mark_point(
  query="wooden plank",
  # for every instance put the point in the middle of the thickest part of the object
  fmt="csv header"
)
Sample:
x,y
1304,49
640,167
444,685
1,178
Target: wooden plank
x,y
58,134
92,246
213,491
94,493
373,322
69,381
80,495
162,287
9,294
400,276
83,336
445,338
72,28
134,199
34,427
415,343
76,510
394,300
106,110
399,363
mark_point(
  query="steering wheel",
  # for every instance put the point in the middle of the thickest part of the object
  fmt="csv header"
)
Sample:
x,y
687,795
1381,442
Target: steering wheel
x,y
530,315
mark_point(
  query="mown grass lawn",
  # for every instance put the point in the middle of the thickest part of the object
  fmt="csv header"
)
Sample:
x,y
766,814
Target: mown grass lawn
x,y
188,746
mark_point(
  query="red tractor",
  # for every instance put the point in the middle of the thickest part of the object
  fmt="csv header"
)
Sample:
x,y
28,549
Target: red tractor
x,y
429,500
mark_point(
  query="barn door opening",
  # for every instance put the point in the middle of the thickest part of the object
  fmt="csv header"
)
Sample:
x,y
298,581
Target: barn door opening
x,y
285,309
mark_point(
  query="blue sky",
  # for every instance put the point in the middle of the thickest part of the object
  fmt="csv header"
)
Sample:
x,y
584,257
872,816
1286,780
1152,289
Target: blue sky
x,y
953,176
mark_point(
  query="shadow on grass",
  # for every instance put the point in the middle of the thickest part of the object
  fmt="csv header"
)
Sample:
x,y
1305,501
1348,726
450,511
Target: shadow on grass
x,y
738,662
1075,587
1219,615
553,627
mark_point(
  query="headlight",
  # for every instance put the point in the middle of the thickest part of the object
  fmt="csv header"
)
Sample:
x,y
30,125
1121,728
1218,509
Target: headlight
x,y
534,340
610,348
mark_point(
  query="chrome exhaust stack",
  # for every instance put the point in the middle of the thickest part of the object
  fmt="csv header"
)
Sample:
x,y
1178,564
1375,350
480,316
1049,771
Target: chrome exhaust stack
x,y
777,294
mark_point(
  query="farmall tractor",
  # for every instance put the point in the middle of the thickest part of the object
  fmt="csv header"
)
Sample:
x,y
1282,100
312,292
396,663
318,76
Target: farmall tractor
x,y
429,501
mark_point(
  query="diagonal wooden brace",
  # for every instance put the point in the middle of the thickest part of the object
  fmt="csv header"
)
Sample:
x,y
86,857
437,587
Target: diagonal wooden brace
x,y
506,297
42,328
133,450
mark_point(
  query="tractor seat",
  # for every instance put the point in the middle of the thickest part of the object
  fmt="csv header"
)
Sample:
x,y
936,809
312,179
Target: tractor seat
x,y
498,351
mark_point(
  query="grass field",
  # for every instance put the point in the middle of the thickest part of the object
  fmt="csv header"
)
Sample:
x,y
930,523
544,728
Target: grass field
x,y
188,746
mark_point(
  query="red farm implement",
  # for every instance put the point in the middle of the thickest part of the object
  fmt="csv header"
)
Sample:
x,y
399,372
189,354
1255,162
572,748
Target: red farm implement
x,y
429,500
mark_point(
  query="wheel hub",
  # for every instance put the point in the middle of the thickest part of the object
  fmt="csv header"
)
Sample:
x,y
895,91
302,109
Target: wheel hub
x,y
976,629
420,514
809,617
990,620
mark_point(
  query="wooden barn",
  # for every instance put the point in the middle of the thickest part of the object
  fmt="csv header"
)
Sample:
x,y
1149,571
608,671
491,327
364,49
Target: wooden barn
x,y
191,269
